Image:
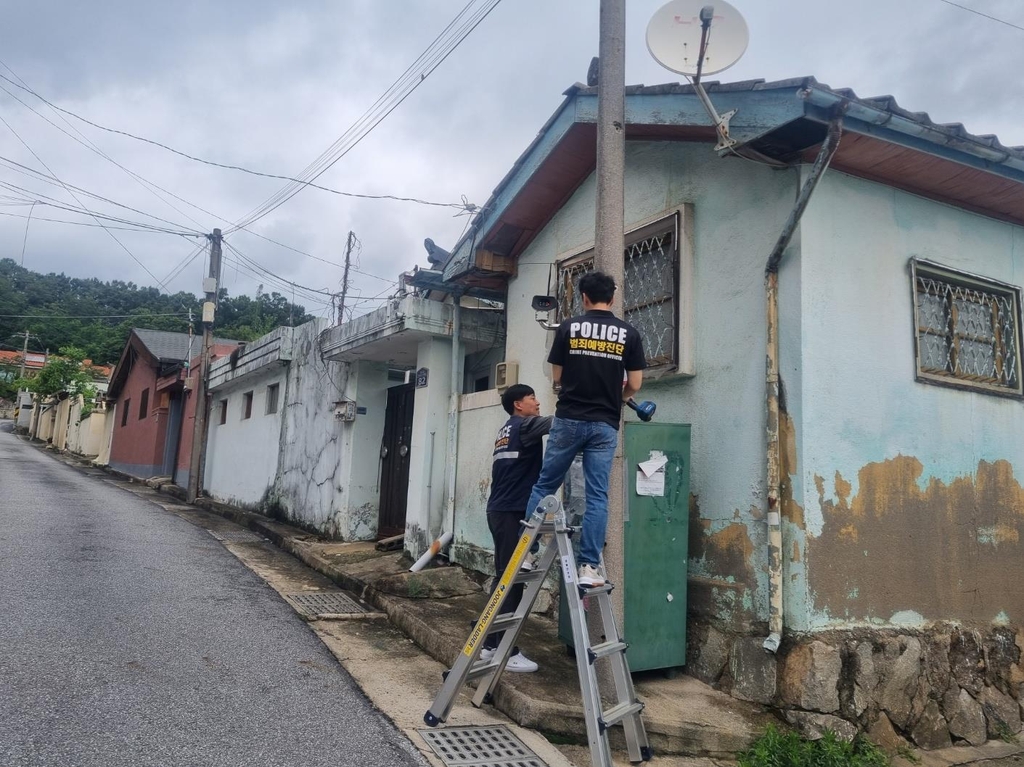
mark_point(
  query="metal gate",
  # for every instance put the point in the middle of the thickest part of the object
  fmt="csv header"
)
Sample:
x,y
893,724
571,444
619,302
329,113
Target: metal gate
x,y
394,459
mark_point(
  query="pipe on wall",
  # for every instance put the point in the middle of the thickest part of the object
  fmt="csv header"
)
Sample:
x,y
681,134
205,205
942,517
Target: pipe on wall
x,y
772,385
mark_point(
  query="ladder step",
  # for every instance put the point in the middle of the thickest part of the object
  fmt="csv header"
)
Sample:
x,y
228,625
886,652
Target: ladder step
x,y
503,622
590,591
529,576
481,669
605,649
617,713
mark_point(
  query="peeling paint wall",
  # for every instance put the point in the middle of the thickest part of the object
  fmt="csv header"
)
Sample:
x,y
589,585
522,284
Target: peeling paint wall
x,y
912,507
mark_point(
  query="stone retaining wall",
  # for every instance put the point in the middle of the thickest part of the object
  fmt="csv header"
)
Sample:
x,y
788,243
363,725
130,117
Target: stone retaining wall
x,y
933,687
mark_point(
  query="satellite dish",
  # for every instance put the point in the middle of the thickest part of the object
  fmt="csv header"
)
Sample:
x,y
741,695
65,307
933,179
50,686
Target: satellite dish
x,y
674,32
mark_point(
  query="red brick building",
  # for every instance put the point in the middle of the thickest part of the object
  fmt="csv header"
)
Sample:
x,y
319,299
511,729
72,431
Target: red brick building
x,y
154,411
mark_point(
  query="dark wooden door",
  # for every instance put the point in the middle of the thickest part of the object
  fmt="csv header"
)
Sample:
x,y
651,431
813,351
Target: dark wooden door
x,y
394,460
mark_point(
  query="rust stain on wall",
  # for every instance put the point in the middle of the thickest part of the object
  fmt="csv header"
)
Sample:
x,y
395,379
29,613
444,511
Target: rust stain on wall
x,y
727,558
791,511
948,552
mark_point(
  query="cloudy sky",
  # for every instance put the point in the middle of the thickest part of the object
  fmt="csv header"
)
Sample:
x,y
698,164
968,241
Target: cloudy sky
x,y
271,86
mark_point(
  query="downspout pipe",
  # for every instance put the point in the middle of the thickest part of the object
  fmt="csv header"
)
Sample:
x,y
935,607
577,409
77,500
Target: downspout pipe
x,y
774,452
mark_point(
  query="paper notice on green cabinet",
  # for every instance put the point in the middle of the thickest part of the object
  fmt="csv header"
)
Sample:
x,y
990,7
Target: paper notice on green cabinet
x,y
650,475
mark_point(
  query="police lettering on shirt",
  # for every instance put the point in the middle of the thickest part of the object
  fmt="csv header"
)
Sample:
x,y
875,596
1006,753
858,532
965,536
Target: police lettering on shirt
x,y
501,441
596,339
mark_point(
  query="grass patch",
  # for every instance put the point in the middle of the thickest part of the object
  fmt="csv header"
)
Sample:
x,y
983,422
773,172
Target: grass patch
x,y
778,749
1004,734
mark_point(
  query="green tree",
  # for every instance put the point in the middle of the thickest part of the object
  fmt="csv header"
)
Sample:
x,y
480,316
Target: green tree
x,y
64,373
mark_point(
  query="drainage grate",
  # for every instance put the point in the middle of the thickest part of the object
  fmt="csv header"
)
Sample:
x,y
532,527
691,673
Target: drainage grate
x,y
314,603
236,536
480,747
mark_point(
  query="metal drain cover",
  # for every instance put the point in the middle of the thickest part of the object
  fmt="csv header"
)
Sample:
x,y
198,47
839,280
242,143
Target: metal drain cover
x,y
314,603
237,536
480,747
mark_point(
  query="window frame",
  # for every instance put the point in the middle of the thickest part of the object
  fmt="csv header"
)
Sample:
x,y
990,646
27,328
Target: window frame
x,y
677,221
924,268
223,412
126,412
144,404
247,405
273,395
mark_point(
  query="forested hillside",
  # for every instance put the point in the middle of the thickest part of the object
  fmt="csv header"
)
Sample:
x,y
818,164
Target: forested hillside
x,y
49,298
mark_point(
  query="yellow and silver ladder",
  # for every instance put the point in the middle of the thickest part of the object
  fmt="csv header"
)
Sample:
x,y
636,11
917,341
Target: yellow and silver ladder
x,y
469,666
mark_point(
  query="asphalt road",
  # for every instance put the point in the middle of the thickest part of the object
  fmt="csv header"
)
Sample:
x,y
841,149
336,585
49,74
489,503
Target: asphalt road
x,y
130,637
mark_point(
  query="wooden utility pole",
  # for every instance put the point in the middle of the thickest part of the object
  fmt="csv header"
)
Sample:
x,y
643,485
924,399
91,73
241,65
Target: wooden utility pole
x,y
609,241
211,286
344,280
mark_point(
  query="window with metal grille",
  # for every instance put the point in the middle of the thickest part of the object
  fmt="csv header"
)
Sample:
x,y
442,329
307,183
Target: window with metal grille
x,y
650,300
968,330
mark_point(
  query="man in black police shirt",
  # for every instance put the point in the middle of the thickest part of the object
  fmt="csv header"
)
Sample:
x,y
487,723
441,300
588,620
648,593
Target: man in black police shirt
x,y
590,356
515,466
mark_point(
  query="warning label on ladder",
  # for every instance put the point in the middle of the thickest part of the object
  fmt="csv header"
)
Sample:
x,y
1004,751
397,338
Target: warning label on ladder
x,y
480,630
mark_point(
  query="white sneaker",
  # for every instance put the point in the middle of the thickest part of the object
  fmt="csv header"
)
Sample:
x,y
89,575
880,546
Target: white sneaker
x,y
486,655
590,576
519,663
529,562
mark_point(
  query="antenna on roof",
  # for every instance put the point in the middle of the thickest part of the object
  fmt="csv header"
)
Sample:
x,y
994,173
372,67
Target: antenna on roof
x,y
679,37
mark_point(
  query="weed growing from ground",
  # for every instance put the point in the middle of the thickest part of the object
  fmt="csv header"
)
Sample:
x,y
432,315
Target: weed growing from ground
x,y
778,749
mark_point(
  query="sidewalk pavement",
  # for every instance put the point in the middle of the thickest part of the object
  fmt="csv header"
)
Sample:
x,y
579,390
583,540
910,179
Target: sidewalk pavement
x,y
437,607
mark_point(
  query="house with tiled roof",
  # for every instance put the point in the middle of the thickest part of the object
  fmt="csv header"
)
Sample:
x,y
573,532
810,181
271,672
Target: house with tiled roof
x,y
832,306
153,411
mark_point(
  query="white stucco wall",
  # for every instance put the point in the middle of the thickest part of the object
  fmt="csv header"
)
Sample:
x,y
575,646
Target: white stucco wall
x,y
738,210
481,416
858,401
242,453
428,457
359,490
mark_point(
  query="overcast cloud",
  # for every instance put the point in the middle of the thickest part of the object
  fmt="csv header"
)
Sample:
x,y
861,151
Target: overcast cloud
x,y
271,85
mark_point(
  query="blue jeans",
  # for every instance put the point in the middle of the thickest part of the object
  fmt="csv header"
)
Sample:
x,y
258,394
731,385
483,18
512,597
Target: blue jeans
x,y
597,441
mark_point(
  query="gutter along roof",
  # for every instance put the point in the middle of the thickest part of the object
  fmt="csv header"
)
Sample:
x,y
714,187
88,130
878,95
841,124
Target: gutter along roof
x,y
785,120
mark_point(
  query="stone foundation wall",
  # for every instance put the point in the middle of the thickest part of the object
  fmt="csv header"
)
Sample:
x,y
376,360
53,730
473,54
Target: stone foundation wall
x,y
931,688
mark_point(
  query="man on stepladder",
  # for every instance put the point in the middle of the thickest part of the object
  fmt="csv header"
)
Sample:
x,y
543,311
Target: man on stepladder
x,y
590,356
516,461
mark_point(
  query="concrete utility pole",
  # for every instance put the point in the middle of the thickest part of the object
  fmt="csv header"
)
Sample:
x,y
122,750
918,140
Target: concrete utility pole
x,y
211,286
609,240
24,356
344,280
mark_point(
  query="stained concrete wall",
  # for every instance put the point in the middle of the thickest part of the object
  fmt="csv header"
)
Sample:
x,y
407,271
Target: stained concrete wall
x,y
738,210
907,500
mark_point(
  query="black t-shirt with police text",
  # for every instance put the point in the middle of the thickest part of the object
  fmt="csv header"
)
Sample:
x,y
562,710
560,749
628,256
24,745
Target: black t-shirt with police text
x,y
594,350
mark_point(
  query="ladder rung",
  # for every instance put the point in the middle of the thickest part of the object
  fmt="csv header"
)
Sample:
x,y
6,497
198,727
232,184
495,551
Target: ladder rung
x,y
617,713
590,591
503,622
481,669
529,576
605,649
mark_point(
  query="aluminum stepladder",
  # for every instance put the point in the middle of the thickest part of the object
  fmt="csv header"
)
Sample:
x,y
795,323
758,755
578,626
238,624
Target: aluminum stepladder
x,y
468,666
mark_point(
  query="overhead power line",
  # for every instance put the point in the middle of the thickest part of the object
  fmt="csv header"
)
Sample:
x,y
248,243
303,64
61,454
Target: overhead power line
x,y
87,316
985,15
112,235
436,53
226,166
149,186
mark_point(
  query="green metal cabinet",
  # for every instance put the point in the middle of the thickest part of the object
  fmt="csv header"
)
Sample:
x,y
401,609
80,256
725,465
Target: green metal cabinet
x,y
655,530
